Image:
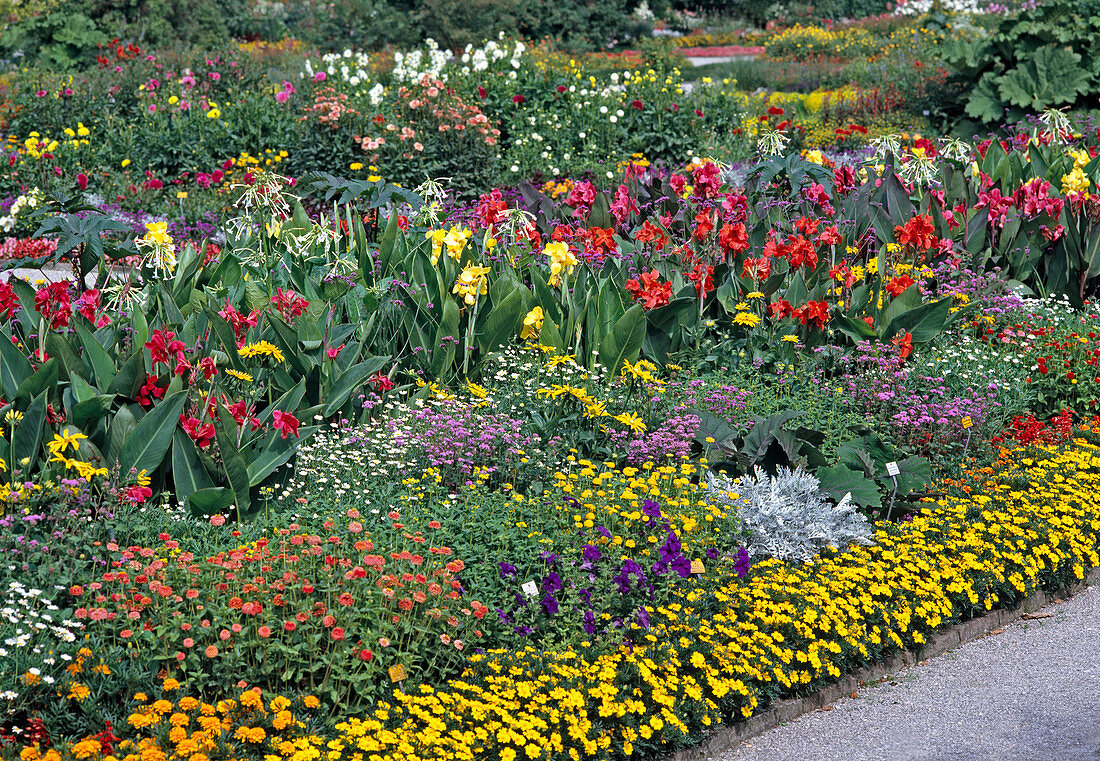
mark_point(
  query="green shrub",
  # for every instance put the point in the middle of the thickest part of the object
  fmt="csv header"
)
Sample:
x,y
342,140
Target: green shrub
x,y
1045,57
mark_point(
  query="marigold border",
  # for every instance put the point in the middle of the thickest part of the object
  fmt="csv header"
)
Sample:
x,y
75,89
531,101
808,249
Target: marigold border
x,y
729,737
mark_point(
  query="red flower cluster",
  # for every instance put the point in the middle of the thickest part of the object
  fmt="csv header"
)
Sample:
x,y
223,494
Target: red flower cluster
x,y
9,301
917,234
289,304
55,304
649,290
240,322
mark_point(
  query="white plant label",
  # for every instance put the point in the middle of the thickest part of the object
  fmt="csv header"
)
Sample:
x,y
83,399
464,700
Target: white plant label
x,y
892,469
530,588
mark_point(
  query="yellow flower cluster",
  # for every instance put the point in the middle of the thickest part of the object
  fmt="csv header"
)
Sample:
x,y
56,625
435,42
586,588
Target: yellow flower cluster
x,y
261,349
784,628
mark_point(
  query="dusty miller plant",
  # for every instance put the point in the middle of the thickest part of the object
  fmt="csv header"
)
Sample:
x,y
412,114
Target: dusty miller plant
x,y
787,516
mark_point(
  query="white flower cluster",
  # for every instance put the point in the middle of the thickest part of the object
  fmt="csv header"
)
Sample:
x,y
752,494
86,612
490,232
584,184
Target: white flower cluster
x,y
30,614
21,208
480,59
921,7
415,65
352,66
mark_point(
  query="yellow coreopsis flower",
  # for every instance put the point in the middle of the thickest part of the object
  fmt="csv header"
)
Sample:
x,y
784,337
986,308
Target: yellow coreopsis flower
x,y
62,441
471,283
261,348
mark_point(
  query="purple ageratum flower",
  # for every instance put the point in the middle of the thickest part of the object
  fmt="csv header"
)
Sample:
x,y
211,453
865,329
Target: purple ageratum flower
x,y
741,567
589,624
651,508
591,553
508,571
713,553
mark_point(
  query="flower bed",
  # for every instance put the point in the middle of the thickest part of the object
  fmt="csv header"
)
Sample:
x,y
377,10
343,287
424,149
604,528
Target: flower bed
x,y
720,650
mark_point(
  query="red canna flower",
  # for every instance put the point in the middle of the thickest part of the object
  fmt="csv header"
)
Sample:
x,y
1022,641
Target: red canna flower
x,y
917,233
649,290
899,285
162,345
651,233
9,301
289,304
285,422
54,304
201,434
733,239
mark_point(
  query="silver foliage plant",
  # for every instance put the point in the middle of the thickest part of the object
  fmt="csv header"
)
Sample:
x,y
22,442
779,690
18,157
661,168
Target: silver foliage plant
x,y
787,516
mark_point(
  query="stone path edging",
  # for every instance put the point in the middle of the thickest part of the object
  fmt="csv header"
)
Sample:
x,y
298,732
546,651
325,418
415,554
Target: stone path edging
x,y
730,736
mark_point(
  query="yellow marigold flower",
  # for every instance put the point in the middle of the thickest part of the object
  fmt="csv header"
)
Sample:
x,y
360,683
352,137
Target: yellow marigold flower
x,y
79,692
309,701
86,748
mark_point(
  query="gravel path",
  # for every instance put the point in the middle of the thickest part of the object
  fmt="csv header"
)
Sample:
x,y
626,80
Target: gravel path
x,y
1031,693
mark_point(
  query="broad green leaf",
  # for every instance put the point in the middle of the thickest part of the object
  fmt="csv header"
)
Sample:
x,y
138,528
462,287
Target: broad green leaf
x,y
447,339
188,473
122,425
550,335
236,472
499,327
351,380
14,367
69,361
27,439
274,451
103,366
924,323
210,501
90,411
623,342
146,445
43,379
839,480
